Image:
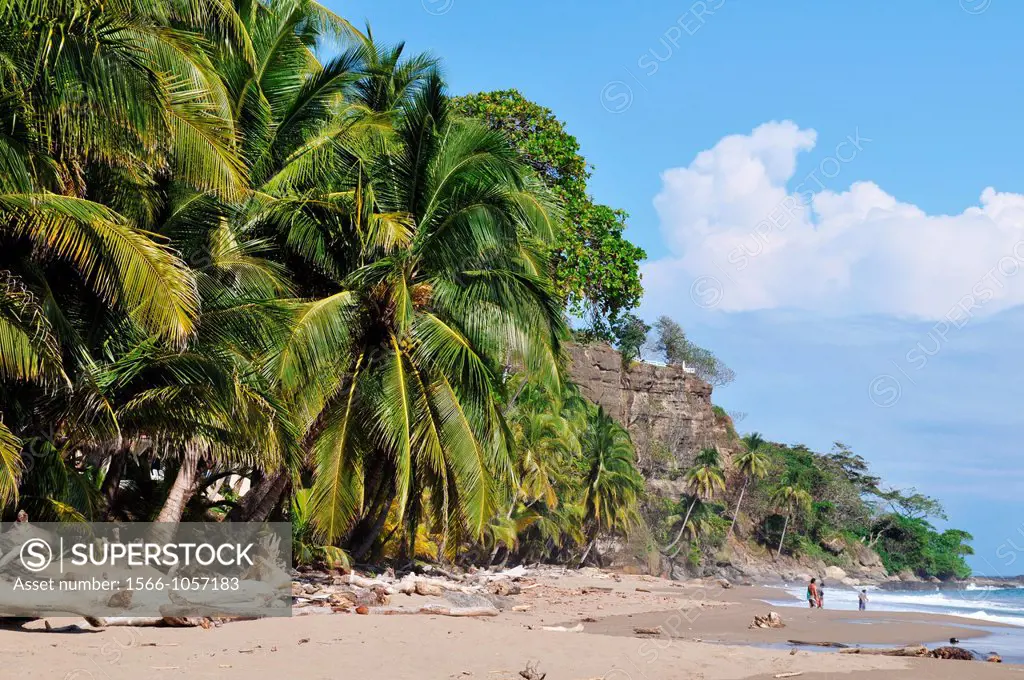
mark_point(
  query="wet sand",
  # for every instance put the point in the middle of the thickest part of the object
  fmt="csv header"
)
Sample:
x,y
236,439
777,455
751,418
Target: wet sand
x,y
730,624
415,647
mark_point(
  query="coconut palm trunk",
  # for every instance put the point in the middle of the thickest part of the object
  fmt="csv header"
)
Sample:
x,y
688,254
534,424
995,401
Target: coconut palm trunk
x,y
785,525
683,528
184,484
586,553
739,503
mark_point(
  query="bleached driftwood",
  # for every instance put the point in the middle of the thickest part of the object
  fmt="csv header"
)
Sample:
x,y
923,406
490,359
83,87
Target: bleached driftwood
x,y
578,628
435,610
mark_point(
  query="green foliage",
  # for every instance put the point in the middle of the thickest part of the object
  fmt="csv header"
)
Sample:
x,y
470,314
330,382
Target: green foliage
x,y
307,550
912,544
672,343
722,415
844,504
259,264
612,483
575,476
259,260
596,268
630,333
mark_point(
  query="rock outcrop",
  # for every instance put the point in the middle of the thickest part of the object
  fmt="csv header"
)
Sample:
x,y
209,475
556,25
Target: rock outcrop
x,y
667,411
670,418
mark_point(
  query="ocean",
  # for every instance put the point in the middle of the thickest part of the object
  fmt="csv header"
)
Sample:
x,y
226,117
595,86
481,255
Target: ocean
x,y
986,605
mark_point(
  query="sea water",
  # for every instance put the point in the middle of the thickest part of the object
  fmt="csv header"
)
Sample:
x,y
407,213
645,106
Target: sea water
x,y
986,605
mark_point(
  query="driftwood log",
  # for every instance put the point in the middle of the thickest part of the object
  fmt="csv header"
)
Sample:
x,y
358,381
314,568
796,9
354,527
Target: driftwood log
x,y
648,631
435,610
916,650
838,645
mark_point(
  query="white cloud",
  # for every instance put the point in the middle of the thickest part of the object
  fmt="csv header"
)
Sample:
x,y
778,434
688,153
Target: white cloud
x,y
739,217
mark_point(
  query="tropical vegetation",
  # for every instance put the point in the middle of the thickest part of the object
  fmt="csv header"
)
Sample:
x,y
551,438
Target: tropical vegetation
x,y
242,280
257,264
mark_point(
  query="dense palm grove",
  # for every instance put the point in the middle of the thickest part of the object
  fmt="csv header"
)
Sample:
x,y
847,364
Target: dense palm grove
x,y
240,280
224,257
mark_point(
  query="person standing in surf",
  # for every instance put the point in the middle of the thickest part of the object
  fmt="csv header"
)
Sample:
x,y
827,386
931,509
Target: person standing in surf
x,y
812,593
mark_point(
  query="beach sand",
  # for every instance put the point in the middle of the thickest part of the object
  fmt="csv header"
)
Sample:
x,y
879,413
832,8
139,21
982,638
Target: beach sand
x,y
399,647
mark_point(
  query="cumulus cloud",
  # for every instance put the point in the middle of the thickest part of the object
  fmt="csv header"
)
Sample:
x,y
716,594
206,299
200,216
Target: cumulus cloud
x,y
746,233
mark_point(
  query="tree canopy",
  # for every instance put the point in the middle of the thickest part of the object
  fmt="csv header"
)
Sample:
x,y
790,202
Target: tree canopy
x,y
596,268
671,342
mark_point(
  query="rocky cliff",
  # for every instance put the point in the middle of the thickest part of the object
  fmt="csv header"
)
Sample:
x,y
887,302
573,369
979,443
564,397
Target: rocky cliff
x,y
667,411
670,418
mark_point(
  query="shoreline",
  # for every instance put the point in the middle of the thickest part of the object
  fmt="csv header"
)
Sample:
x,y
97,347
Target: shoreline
x,y
573,625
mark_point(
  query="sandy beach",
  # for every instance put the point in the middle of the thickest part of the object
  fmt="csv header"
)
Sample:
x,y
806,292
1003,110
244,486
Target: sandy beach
x,y
704,634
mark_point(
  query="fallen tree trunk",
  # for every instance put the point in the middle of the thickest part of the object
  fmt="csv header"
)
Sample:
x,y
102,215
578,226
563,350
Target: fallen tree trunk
x,y
918,650
840,645
126,621
436,610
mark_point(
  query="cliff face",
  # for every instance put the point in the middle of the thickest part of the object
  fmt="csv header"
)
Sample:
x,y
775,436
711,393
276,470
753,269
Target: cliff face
x,y
670,418
667,411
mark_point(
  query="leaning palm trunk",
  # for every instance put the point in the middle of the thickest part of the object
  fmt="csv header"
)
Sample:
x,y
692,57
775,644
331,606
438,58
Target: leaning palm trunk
x,y
682,528
586,553
269,500
184,483
739,503
785,525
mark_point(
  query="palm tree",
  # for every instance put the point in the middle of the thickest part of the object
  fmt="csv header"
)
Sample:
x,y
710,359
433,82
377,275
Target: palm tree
x,y
102,211
100,101
612,483
790,499
256,262
541,442
426,236
702,480
751,464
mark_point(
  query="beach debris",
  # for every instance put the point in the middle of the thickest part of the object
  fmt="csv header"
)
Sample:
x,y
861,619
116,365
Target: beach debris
x,y
994,658
314,591
427,589
914,650
433,610
522,607
504,588
771,620
578,628
954,653
531,672
724,583
792,674
648,631
840,645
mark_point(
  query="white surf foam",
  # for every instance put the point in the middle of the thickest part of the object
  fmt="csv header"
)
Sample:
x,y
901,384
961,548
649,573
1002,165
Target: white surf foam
x,y
982,604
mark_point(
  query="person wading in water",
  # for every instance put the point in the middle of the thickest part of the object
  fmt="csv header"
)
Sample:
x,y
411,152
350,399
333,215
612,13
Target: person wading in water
x,y
812,593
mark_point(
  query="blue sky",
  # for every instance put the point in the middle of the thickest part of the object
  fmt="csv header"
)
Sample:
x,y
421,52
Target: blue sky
x,y
884,310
